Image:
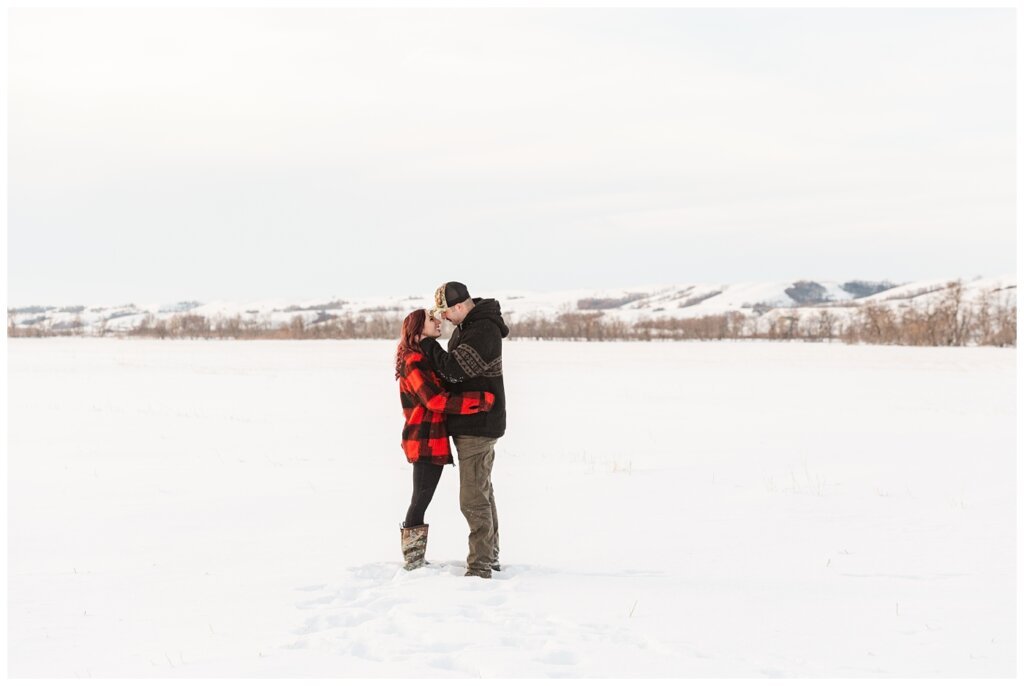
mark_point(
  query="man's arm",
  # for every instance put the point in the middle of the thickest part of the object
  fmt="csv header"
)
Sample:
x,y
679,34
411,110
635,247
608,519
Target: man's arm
x,y
442,362
466,360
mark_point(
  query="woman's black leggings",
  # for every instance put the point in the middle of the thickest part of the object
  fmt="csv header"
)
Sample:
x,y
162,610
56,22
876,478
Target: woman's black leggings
x,y
425,476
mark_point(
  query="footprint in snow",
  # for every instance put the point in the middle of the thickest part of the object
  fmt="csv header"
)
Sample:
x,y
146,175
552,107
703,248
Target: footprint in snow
x,y
434,616
311,589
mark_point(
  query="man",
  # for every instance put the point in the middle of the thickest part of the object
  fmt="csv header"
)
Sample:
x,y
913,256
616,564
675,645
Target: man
x,y
473,363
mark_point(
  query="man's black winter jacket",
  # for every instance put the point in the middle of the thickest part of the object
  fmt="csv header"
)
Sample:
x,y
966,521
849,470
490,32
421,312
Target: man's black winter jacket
x,y
473,363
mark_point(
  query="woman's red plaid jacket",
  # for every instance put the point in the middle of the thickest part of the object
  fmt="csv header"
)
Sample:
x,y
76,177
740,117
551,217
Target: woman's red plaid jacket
x,y
425,403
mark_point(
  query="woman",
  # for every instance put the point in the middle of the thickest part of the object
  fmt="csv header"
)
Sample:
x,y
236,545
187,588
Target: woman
x,y
425,436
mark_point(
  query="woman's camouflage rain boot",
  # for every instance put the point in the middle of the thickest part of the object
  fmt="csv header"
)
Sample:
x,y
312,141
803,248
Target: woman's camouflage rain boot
x,y
414,546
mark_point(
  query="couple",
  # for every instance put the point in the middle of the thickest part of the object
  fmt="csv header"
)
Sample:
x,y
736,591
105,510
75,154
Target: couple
x,y
459,393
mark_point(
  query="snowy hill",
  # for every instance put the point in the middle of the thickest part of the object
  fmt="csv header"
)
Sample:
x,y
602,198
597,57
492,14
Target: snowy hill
x,y
758,300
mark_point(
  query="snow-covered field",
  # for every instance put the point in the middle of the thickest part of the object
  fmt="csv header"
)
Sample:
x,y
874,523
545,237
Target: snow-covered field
x,y
214,508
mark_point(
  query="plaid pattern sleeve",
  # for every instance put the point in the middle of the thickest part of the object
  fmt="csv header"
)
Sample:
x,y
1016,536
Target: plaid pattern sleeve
x,y
430,393
425,404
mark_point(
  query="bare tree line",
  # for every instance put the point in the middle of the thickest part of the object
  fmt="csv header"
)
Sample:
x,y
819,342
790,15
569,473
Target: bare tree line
x,y
990,321
951,322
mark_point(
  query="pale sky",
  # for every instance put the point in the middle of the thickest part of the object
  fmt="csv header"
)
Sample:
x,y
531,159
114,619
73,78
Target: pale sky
x,y
164,155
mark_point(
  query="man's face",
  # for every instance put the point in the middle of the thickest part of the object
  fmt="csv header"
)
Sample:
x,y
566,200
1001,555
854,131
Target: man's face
x,y
455,314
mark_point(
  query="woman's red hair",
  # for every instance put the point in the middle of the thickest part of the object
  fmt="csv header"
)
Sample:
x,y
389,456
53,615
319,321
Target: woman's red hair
x,y
412,327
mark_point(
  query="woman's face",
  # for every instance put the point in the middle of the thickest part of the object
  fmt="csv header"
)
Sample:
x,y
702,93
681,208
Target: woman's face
x,y
431,327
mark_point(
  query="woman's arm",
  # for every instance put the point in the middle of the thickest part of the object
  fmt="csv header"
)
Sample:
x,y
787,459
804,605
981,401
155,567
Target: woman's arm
x,y
436,399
